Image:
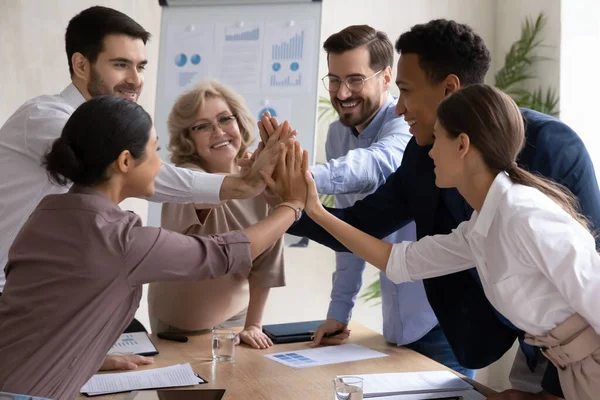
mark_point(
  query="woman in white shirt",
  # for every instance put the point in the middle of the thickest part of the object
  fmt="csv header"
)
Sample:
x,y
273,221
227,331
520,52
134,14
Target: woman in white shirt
x,y
534,253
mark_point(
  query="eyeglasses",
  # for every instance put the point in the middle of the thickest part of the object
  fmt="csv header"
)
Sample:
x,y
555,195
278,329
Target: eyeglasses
x,y
355,84
224,122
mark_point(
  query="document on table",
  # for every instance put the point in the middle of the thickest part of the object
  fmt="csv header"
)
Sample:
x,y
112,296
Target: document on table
x,y
136,343
470,394
427,382
175,375
324,355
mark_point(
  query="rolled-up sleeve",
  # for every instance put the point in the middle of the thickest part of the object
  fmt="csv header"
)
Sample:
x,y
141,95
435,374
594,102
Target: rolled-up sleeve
x,y
430,257
156,254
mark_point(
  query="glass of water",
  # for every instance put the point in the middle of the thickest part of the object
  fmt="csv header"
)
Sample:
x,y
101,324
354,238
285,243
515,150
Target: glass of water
x,y
348,388
223,344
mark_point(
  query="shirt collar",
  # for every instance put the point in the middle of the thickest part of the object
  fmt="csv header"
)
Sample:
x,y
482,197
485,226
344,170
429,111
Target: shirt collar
x,y
376,123
72,96
500,186
99,198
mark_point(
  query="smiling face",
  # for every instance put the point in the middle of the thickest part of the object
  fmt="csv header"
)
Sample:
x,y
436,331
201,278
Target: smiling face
x,y
357,109
419,98
448,155
216,136
119,69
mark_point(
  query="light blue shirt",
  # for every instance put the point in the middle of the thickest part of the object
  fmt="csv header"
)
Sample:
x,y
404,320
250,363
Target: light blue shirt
x,y
357,165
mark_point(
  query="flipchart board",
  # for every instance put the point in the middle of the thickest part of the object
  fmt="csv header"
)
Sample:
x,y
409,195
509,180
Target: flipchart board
x,y
266,50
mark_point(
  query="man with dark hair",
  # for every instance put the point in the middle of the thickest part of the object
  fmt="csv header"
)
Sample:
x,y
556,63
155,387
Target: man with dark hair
x,y
107,56
363,147
436,59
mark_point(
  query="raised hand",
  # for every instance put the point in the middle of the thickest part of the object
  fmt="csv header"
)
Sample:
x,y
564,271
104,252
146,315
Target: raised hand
x,y
266,159
289,184
313,204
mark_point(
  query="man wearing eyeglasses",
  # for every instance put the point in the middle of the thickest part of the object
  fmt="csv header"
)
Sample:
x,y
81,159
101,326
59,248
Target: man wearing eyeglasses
x,y
363,147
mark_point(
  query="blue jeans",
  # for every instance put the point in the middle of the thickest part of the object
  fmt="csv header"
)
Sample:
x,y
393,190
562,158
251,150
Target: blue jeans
x,y
435,346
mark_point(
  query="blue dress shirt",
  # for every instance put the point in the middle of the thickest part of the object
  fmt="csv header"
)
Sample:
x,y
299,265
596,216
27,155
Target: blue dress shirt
x,y
357,165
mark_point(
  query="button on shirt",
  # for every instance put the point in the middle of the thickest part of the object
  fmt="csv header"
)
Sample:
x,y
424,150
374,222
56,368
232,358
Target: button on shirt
x,y
538,266
24,140
357,165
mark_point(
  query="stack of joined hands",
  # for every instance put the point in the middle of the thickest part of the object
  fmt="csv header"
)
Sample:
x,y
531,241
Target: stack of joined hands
x,y
283,165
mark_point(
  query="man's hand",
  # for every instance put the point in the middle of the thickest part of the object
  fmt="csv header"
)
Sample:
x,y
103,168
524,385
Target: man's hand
x,y
255,337
513,394
327,328
124,362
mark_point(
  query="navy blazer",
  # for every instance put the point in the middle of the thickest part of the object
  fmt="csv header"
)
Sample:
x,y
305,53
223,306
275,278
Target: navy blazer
x,y
476,334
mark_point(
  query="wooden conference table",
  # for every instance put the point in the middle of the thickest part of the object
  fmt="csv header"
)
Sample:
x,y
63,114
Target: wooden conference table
x,y
252,376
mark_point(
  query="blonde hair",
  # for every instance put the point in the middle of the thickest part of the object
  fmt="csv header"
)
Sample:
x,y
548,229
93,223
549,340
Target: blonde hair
x,y
184,114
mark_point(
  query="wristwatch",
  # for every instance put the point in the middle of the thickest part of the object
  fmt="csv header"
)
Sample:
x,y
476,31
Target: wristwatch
x,y
297,210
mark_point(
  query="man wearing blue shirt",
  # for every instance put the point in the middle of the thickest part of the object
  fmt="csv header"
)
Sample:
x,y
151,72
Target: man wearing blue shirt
x,y
363,147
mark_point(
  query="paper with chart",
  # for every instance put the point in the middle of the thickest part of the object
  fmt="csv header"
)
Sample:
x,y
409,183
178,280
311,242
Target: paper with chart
x,y
287,56
190,55
135,342
173,376
324,356
412,383
239,52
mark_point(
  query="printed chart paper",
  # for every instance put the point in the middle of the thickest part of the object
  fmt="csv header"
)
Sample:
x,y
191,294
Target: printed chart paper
x,y
324,356
135,343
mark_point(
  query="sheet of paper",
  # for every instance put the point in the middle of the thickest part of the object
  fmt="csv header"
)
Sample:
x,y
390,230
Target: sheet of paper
x,y
411,382
175,375
287,55
324,355
12,396
471,394
136,343
190,55
239,49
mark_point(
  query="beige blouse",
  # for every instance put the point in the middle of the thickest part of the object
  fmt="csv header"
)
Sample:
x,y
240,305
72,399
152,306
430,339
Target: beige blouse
x,y
74,281
193,306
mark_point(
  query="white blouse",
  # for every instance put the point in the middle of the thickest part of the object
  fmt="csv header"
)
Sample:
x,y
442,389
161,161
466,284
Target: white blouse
x,y
538,266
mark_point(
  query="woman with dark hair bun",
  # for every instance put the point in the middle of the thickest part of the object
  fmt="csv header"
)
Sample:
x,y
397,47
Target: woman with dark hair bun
x,y
75,271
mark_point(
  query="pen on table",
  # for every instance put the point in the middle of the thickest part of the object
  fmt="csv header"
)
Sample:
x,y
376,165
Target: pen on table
x,y
176,337
447,398
327,335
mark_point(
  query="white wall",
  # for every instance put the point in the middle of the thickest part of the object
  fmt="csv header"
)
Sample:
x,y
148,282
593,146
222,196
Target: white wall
x,y
579,67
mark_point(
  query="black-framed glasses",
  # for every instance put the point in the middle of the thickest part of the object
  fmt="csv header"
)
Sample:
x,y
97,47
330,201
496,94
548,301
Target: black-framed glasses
x,y
224,122
355,84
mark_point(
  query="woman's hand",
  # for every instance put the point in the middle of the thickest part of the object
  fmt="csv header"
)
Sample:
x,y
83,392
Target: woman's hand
x,y
124,362
290,184
254,336
313,204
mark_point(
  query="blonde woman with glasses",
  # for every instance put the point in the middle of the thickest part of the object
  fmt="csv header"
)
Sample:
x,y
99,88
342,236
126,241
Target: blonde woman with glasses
x,y
210,129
